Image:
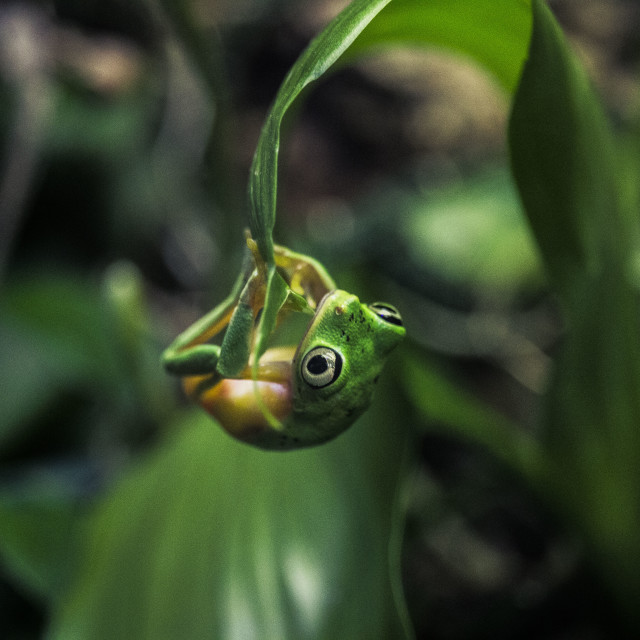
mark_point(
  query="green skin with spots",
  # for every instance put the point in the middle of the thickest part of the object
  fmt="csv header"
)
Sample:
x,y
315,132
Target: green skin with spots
x,y
364,340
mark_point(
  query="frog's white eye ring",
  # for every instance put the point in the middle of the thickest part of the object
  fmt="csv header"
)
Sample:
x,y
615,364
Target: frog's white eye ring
x,y
320,367
387,312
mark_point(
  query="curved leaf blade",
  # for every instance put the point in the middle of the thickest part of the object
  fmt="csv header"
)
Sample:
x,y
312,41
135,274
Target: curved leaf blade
x,y
564,162
319,56
471,27
494,33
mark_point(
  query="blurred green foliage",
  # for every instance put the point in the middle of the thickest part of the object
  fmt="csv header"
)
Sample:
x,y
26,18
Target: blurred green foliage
x,y
495,481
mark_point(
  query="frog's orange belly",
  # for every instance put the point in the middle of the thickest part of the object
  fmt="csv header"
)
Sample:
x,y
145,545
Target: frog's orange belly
x,y
234,405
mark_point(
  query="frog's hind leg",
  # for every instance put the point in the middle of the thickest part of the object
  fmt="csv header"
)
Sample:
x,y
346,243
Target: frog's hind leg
x,y
189,354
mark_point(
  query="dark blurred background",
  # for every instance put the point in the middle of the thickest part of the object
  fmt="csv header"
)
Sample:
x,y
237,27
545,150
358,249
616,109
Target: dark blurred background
x,y
126,133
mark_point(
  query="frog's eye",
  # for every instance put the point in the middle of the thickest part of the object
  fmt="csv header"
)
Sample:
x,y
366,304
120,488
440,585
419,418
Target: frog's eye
x,y
321,366
387,312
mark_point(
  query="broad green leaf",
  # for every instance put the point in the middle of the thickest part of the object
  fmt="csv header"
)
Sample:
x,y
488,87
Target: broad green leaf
x,y
494,33
209,538
566,169
564,162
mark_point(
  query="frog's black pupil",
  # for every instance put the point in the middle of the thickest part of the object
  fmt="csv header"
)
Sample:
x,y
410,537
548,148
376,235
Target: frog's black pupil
x,y
317,365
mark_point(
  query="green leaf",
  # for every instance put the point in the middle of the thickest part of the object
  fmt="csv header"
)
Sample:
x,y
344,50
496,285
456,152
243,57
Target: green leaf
x,y
210,538
494,33
55,333
236,345
276,294
565,164
314,61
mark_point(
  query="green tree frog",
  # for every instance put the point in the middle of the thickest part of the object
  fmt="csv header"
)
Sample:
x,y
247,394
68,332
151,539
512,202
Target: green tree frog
x,y
297,395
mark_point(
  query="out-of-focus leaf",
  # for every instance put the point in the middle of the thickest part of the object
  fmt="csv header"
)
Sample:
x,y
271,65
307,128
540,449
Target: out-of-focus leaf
x,y
564,162
110,129
475,235
445,408
69,312
566,169
492,32
210,538
56,333
38,534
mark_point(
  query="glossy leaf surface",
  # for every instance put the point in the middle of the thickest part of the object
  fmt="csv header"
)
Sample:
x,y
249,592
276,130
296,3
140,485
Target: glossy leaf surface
x,y
210,538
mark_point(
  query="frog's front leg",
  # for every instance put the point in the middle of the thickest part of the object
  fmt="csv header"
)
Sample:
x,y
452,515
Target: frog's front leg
x,y
304,275
239,338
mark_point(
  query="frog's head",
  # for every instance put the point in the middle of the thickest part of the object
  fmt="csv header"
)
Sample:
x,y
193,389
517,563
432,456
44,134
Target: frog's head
x,y
338,362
